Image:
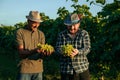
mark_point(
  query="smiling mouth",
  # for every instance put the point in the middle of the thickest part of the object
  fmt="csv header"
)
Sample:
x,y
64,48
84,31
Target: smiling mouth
x,y
34,26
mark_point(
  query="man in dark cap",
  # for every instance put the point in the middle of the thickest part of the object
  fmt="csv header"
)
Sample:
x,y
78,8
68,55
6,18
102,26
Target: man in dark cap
x,y
77,67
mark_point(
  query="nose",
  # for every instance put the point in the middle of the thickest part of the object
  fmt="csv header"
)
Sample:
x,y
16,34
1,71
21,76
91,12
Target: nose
x,y
36,25
72,27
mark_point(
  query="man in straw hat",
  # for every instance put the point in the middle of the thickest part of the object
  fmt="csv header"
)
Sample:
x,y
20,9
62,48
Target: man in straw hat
x,y
75,66
27,38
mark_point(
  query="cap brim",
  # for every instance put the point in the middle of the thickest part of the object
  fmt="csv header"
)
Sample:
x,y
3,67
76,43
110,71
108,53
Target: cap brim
x,y
69,23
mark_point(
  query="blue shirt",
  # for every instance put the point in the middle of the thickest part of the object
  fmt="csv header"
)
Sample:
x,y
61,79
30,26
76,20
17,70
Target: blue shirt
x,y
78,63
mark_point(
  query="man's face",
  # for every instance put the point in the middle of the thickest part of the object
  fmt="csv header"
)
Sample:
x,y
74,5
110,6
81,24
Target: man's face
x,y
73,28
33,25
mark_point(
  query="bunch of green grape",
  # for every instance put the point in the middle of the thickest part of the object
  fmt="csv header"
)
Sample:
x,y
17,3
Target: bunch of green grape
x,y
45,48
67,49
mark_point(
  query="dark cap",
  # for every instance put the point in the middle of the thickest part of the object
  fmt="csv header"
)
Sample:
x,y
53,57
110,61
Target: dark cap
x,y
72,19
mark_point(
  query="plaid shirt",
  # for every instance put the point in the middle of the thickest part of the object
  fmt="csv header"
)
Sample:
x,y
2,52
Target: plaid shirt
x,y
81,42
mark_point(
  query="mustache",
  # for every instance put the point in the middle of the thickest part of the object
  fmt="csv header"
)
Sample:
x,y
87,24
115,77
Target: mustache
x,y
34,26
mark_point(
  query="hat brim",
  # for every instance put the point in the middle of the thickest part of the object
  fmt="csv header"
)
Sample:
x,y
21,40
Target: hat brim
x,y
69,23
36,20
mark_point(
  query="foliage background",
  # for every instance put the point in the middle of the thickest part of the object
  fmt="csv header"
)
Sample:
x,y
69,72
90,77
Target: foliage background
x,y
104,34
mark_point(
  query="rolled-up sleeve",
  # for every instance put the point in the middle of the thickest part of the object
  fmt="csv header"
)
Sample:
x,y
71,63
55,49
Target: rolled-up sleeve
x,y
85,43
19,38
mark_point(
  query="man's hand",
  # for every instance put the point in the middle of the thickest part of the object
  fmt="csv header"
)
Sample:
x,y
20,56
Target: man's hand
x,y
45,49
75,52
44,52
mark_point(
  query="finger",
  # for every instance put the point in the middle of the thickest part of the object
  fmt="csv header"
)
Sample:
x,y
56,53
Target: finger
x,y
48,53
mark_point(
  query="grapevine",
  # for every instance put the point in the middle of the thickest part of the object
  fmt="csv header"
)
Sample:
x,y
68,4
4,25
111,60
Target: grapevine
x,y
45,48
67,49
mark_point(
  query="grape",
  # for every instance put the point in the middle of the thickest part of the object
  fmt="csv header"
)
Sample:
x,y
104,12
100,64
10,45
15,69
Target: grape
x,y
67,49
46,49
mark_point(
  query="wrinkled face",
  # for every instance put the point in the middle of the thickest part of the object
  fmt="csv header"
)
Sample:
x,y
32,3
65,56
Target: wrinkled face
x,y
33,25
73,28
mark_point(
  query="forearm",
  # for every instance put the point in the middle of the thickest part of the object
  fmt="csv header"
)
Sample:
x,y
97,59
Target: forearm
x,y
26,53
84,51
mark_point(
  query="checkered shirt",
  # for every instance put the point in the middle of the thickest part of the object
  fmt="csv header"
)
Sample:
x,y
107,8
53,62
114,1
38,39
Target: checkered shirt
x,y
81,42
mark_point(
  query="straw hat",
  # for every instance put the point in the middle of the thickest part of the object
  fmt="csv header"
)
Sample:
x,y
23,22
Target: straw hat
x,y
34,16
